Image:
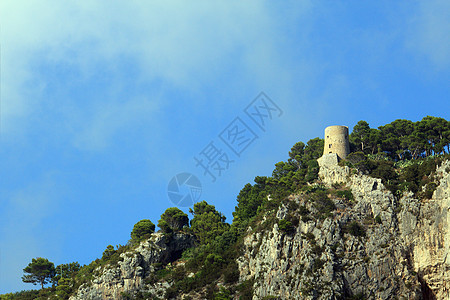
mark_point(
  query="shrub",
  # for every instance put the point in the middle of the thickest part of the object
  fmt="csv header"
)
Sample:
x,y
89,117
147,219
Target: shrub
x,y
346,194
356,157
378,219
142,229
246,290
355,229
286,226
322,203
173,219
108,252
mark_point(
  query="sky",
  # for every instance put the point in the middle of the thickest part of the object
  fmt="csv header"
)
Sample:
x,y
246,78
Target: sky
x,y
103,103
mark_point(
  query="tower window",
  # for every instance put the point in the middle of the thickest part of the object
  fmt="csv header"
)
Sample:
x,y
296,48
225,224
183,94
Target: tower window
x,y
329,146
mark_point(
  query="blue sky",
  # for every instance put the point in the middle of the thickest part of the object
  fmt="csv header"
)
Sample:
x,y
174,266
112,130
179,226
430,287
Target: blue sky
x,y
102,103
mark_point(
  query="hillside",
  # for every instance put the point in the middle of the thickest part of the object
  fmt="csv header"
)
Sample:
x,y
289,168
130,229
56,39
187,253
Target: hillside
x,y
372,226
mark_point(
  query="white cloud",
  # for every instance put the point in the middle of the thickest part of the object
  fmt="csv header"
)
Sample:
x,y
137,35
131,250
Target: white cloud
x,y
184,46
98,129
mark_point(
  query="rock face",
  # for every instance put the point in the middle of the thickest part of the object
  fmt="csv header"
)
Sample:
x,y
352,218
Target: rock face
x,y
403,253
424,230
128,276
375,246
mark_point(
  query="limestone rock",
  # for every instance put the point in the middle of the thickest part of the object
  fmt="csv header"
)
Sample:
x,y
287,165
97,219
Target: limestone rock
x,y
402,255
128,276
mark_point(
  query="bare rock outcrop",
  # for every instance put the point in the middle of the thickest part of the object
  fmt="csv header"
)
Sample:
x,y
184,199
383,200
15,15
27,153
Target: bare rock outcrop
x,y
127,277
403,253
374,246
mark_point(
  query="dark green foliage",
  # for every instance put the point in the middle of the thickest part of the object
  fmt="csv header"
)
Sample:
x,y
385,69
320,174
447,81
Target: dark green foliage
x,y
387,173
207,223
413,176
86,272
223,294
66,271
364,139
356,157
378,152
173,219
286,226
429,190
41,294
111,256
403,139
355,229
250,198
304,213
40,271
317,264
378,219
324,205
109,251
209,261
231,273
245,290
310,237
65,279
417,175
301,167
142,229
346,194
359,296
64,288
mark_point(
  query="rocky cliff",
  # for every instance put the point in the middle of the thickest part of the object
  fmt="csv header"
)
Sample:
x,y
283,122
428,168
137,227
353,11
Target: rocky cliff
x,y
128,276
369,246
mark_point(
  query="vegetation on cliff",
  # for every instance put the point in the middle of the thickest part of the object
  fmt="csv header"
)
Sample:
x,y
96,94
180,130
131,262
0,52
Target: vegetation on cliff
x,y
403,154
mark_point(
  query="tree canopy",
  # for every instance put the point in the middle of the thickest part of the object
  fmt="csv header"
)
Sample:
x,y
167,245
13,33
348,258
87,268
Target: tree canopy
x,y
173,219
207,223
403,139
142,229
40,271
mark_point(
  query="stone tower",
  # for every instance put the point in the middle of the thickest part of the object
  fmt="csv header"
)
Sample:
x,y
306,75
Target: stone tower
x,y
336,141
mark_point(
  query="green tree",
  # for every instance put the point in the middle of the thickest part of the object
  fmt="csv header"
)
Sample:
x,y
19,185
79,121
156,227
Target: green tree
x,y
250,198
40,270
207,223
301,167
109,251
313,149
364,138
396,137
416,142
173,219
436,131
66,271
64,288
360,135
297,152
142,229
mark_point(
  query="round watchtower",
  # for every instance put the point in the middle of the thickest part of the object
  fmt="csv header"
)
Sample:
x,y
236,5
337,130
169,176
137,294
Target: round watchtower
x,y
336,141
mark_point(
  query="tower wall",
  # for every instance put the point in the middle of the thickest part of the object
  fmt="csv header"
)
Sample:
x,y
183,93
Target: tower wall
x,y
336,141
